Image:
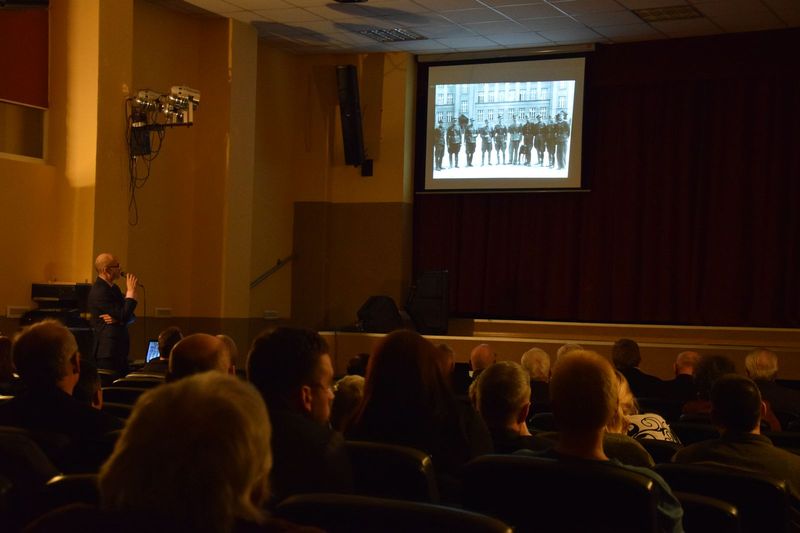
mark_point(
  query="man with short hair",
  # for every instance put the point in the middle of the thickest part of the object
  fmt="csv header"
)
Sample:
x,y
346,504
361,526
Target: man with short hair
x,y
762,367
537,363
502,398
681,388
47,359
584,393
481,358
626,357
167,339
564,349
198,353
292,370
736,411
111,313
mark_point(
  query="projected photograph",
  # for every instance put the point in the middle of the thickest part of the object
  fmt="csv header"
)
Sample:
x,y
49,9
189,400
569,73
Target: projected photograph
x,y
524,126
504,125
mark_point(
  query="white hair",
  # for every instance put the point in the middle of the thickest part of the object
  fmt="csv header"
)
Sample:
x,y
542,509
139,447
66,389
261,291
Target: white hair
x,y
537,363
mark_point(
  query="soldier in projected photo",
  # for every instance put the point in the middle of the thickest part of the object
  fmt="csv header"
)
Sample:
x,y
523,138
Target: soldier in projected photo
x,y
527,140
454,134
538,139
500,135
470,140
561,139
550,141
515,136
438,145
485,133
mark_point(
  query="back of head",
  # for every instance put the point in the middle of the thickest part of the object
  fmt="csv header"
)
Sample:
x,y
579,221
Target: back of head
x,y
230,344
404,383
686,362
447,359
349,393
583,392
625,354
357,365
6,362
42,353
537,363
626,406
501,391
214,466
198,353
736,403
281,362
761,364
482,357
564,349
710,369
167,340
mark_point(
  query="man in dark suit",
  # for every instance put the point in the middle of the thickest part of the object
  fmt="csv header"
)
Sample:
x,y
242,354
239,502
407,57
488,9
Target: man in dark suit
x,y
626,357
111,313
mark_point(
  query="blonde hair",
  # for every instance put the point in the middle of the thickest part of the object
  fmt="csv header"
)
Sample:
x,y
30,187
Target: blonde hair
x,y
197,450
761,364
626,406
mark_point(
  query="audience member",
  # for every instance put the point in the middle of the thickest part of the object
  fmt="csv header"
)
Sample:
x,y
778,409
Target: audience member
x,y
357,365
628,421
626,357
709,370
233,350
446,360
88,389
407,402
503,400
762,367
584,394
292,370
9,382
681,387
537,363
198,353
349,391
210,475
737,410
47,359
564,349
167,339
481,358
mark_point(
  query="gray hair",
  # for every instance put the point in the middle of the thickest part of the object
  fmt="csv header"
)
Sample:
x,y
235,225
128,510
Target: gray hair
x,y
537,363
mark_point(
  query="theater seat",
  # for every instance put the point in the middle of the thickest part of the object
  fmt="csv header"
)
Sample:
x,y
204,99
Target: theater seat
x,y
138,382
391,471
702,514
68,489
341,513
120,410
126,395
763,502
541,495
660,450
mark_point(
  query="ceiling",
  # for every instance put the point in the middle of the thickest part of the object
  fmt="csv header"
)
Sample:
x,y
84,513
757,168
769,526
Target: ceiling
x,y
315,26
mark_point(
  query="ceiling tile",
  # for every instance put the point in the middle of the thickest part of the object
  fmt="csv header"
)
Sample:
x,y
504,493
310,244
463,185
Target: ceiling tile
x,y
215,6
572,35
246,16
582,7
292,14
519,39
260,4
630,32
438,31
420,46
529,11
551,23
497,27
468,43
752,22
448,5
647,4
730,7
337,11
686,28
309,3
616,18
466,16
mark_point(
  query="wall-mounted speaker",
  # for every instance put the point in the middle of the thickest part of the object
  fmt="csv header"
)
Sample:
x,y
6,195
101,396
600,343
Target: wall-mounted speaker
x,y
350,109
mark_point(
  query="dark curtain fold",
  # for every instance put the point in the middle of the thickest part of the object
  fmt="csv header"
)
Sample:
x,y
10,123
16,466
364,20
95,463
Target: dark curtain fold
x,y
692,216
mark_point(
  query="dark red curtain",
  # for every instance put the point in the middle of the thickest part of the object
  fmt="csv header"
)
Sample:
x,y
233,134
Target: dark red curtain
x,y
23,56
692,154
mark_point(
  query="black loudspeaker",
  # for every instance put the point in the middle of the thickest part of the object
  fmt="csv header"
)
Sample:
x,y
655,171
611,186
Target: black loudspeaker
x,y
379,314
428,303
350,108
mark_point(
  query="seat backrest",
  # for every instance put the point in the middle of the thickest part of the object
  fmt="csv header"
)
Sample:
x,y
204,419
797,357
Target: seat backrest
x,y
138,382
125,395
391,471
120,410
763,502
340,513
703,513
660,450
669,409
107,376
691,432
68,489
567,496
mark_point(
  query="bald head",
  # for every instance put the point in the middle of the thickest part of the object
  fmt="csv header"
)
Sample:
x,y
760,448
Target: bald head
x,y
199,353
481,357
685,362
102,262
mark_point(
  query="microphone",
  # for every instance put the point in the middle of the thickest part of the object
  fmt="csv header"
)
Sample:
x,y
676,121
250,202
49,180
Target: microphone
x,y
125,275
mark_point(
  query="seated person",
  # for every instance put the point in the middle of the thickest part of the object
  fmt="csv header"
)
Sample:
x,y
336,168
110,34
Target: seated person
x,y
198,353
167,339
210,475
357,365
537,363
762,367
584,394
627,357
47,359
503,400
628,421
349,391
736,411
292,370
681,387
88,389
408,402
709,370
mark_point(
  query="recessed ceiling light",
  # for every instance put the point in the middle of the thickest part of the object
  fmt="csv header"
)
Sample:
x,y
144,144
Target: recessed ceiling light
x,y
660,14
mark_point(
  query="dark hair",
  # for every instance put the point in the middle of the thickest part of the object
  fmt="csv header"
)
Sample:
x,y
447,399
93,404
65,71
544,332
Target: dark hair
x,y
357,365
406,399
6,363
708,370
736,403
625,354
282,361
88,382
167,339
